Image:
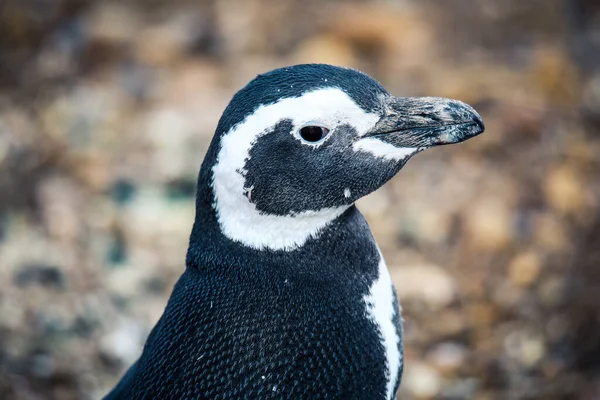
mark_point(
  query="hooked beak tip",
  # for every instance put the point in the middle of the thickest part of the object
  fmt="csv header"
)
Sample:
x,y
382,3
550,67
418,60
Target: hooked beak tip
x,y
479,122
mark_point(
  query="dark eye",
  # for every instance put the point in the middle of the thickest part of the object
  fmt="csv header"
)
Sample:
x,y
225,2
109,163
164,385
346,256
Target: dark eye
x,y
313,133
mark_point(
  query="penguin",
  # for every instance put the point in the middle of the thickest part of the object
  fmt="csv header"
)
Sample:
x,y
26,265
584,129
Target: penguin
x,y
285,293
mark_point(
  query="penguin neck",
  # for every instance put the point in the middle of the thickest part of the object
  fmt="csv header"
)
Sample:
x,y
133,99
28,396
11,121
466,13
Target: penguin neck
x,y
335,243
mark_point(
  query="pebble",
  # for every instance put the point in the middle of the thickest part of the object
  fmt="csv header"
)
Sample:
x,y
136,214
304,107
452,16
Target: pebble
x,y
421,380
326,49
525,347
524,269
460,389
448,356
115,23
489,224
564,189
39,274
429,283
124,342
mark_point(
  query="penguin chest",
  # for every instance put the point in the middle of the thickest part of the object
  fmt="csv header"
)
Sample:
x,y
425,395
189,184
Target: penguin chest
x,y
383,310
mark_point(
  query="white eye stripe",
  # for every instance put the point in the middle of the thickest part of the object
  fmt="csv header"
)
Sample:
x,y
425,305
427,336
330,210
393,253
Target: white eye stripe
x,y
384,150
238,217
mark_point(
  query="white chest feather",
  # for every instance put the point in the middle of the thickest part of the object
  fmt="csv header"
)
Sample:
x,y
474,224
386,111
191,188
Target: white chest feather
x,y
381,310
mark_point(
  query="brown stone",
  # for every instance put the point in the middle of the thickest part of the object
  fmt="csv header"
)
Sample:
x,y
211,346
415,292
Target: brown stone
x,y
524,268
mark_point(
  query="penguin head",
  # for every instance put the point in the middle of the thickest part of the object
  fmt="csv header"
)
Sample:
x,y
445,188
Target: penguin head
x,y
305,142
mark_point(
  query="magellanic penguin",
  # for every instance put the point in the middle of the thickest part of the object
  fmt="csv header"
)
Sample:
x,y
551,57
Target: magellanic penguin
x,y
285,294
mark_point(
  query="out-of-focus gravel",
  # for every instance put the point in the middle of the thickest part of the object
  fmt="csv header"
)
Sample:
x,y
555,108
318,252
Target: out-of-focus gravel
x,y
107,108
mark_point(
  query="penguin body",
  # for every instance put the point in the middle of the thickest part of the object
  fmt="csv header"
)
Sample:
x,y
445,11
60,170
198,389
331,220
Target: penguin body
x,y
285,292
272,330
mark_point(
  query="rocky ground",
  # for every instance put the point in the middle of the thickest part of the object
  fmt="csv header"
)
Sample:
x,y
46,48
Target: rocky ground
x,y
107,108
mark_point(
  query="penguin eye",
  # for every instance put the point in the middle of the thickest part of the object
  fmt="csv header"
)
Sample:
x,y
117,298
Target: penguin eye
x,y
313,133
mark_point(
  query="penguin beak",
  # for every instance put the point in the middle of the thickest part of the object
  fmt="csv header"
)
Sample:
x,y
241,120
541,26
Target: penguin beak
x,y
422,122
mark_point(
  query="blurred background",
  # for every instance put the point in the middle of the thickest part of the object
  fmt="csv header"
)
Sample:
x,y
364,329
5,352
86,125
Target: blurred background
x,y
107,108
